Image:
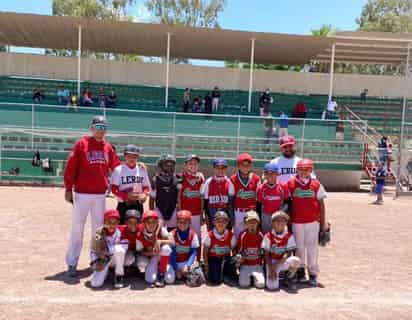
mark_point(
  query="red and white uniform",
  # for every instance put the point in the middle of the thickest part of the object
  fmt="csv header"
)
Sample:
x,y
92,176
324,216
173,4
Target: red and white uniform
x,y
219,245
217,191
271,198
191,197
183,247
126,179
277,245
86,173
150,265
249,246
305,213
245,199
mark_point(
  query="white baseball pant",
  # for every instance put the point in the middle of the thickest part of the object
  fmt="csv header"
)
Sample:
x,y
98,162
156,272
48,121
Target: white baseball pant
x,y
116,261
266,224
307,237
246,274
239,221
171,223
215,104
150,266
83,204
292,263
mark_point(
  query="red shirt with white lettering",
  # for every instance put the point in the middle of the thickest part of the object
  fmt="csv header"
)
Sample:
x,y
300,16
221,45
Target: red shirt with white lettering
x,y
128,237
217,191
220,247
272,197
249,246
245,194
190,196
88,165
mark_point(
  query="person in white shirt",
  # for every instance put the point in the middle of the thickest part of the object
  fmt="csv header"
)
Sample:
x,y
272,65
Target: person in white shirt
x,y
331,108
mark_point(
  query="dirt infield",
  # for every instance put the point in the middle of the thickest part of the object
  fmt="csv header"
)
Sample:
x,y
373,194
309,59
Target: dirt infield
x,y
366,272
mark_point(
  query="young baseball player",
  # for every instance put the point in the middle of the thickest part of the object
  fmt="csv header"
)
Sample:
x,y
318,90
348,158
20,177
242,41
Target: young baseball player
x,y
217,247
308,217
278,245
271,196
129,236
218,192
186,244
163,197
246,183
154,246
85,181
249,248
380,176
130,182
107,251
189,191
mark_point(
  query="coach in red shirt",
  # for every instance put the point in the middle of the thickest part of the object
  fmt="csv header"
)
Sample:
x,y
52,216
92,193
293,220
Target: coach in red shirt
x,y
86,182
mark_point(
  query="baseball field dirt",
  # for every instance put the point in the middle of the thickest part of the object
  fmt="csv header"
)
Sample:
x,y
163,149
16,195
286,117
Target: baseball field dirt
x,y
366,271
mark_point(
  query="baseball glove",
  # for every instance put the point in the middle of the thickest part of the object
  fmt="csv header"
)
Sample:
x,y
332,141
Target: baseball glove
x,y
99,247
195,277
324,237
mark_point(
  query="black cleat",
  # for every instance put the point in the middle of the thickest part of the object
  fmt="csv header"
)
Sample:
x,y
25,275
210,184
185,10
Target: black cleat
x,y
160,282
301,275
313,281
72,271
118,282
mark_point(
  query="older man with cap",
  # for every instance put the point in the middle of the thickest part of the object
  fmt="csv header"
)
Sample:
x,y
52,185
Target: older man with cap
x,y
86,181
130,183
288,161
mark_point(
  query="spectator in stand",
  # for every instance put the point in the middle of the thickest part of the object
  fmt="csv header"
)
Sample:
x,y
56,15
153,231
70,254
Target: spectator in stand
x,y
72,102
102,98
196,105
265,101
384,151
63,96
215,98
87,98
186,100
208,106
37,95
331,109
111,99
283,124
364,94
299,110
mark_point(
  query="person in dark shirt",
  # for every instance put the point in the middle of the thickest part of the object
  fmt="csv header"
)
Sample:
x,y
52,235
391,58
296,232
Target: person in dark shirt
x,y
380,176
215,98
208,106
265,101
111,99
186,100
37,95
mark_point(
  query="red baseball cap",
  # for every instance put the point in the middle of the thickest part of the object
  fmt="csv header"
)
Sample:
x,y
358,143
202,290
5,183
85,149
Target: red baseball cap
x,y
111,214
150,214
184,214
244,157
305,164
287,140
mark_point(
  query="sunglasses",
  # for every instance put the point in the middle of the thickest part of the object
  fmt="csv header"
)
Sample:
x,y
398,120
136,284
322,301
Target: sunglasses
x,y
100,127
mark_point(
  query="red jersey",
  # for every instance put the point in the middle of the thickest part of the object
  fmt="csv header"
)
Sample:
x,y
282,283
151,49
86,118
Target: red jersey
x,y
305,204
183,247
128,237
279,244
220,248
88,165
147,243
245,194
217,191
249,246
272,197
190,196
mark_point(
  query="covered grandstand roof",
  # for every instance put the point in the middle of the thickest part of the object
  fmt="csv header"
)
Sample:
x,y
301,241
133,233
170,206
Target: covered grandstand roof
x,y
42,31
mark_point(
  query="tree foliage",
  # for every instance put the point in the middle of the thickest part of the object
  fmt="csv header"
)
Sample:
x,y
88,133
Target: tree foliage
x,y
324,31
194,13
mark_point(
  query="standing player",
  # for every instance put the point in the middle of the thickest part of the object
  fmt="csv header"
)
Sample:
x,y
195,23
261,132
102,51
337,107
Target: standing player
x,y
270,196
86,182
218,192
246,183
308,217
130,183
288,160
189,197
165,190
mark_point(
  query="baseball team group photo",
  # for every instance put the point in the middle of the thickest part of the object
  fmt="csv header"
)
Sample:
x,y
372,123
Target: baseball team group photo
x,y
203,159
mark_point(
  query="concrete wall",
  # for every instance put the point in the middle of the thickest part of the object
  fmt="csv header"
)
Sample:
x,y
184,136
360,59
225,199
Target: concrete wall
x,y
196,77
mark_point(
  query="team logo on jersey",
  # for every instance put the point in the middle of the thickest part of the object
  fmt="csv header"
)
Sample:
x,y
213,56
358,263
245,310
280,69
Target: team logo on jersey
x,y
220,250
191,193
301,193
218,199
243,194
97,157
277,250
131,179
182,249
287,171
271,198
251,253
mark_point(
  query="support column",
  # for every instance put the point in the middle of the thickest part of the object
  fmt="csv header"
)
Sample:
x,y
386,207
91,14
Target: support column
x,y
79,57
167,70
331,73
252,61
404,105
